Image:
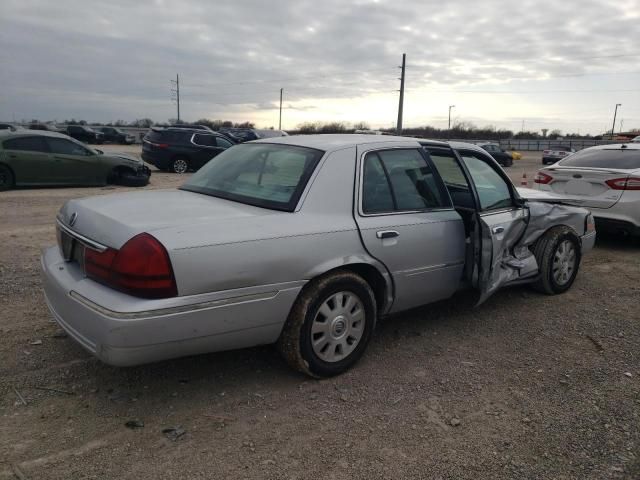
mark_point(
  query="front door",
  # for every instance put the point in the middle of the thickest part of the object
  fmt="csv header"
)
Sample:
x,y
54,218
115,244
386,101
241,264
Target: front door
x,y
74,163
407,222
503,221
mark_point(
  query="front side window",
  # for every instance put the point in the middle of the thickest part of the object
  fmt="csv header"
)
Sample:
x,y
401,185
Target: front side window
x,y
264,175
62,146
492,189
400,180
223,143
27,144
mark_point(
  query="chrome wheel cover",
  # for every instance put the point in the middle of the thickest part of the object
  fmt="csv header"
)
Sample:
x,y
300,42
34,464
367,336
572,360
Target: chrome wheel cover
x,y
564,262
338,326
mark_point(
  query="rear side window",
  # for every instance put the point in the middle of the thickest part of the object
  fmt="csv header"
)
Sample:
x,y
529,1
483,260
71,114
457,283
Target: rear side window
x,y
608,158
169,136
27,144
400,180
204,140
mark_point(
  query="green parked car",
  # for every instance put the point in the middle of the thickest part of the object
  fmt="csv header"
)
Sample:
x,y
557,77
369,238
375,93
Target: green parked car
x,y
29,157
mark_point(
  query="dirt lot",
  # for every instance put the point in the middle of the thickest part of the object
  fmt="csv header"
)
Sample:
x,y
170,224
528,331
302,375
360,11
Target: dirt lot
x,y
525,386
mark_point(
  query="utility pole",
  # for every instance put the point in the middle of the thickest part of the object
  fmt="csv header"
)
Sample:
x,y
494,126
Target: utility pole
x,y
176,91
401,102
615,113
450,107
280,120
522,129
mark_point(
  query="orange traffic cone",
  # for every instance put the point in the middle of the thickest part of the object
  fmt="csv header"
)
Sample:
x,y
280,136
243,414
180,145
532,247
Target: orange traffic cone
x,y
524,182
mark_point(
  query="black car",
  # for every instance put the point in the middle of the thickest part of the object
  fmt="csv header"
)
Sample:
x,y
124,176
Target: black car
x,y
179,149
115,135
501,156
7,126
84,134
555,154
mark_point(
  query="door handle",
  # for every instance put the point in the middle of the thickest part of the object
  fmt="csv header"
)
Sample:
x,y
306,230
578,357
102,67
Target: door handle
x,y
497,229
387,234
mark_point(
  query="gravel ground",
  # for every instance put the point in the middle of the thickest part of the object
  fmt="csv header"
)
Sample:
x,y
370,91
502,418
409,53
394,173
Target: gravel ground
x,y
526,386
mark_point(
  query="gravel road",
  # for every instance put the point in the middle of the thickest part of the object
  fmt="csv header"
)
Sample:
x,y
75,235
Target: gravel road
x,y
524,387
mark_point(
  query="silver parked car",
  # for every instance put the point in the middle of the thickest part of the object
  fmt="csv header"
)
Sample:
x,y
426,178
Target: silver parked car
x,y
604,179
303,241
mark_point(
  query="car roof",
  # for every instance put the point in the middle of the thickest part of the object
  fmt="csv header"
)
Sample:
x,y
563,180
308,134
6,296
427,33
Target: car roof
x,y
31,133
468,146
338,141
616,146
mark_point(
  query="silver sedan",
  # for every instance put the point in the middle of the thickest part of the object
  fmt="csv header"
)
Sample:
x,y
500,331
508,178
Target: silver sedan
x,y
303,242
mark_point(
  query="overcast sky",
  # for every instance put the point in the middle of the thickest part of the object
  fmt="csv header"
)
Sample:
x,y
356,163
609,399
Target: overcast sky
x,y
554,64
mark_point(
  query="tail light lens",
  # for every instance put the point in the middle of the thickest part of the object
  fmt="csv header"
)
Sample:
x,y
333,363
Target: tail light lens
x,y
546,152
542,178
141,268
627,183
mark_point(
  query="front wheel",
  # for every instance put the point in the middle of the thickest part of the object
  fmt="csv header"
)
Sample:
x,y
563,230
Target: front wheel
x,y
330,325
558,255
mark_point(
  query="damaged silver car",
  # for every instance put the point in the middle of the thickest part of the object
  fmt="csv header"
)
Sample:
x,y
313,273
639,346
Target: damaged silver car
x,y
304,242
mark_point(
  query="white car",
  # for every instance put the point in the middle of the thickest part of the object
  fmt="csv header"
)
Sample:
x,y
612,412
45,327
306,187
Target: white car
x,y
636,139
604,179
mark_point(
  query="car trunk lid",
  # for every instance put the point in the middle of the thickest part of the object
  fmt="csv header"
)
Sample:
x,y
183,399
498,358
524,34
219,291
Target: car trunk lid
x,y
111,220
586,186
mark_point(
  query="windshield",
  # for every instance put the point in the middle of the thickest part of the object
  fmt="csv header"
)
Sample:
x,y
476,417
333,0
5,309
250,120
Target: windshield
x,y
265,175
607,158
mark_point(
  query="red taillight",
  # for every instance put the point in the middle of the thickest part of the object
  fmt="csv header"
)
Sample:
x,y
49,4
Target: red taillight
x,y
546,152
141,268
630,183
162,145
542,178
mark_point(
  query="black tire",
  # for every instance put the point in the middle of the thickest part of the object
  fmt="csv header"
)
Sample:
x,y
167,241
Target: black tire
x,y
129,178
295,342
7,180
545,250
176,165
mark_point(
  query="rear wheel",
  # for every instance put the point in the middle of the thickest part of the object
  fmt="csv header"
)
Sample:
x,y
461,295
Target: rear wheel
x,y
7,179
330,325
179,165
558,255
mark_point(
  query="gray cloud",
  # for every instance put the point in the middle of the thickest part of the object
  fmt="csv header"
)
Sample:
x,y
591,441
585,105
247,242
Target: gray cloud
x,y
110,60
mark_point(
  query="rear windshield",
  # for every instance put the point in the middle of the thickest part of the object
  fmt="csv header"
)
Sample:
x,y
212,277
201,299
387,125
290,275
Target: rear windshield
x,y
610,158
265,175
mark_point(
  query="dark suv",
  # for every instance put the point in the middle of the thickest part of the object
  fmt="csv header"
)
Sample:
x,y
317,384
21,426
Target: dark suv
x,y
84,134
179,150
115,135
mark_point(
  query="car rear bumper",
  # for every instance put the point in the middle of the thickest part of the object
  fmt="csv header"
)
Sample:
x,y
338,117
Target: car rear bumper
x,y
122,330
